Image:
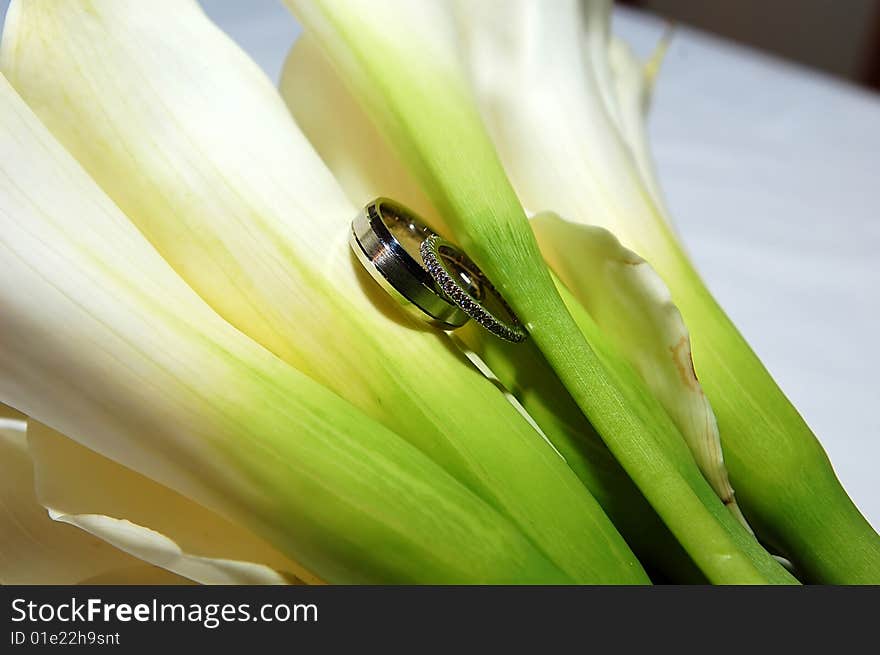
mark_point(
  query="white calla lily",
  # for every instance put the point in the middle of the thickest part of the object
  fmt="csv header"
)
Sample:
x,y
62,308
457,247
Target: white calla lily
x,y
198,149
624,297
146,520
633,306
34,549
555,65
225,357
361,159
563,101
145,373
406,76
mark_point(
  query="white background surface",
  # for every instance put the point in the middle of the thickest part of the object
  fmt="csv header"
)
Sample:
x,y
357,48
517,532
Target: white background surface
x,y
771,173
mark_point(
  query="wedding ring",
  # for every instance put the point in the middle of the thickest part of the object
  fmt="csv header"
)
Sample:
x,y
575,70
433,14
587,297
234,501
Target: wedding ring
x,y
386,238
461,280
429,277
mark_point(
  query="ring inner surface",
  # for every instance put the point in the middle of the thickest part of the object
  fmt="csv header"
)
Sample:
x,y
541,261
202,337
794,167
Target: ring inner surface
x,y
408,232
460,266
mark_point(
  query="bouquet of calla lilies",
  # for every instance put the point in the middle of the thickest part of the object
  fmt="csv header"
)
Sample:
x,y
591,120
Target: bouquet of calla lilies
x,y
200,382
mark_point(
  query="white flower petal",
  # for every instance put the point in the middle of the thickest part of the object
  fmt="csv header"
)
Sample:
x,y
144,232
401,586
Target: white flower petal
x,y
199,150
34,549
631,304
633,83
349,143
548,64
151,522
105,343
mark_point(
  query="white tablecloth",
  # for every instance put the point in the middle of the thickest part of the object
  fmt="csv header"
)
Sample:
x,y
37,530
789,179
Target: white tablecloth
x,y
772,174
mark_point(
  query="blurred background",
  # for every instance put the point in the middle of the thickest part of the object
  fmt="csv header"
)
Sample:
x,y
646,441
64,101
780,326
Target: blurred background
x,y
839,37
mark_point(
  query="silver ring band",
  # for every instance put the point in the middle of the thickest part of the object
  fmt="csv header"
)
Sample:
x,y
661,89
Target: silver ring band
x,y
386,238
461,279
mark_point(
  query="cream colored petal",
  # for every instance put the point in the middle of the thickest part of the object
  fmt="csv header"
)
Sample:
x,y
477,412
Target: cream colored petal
x,y
596,38
348,142
105,343
633,83
80,487
34,549
548,64
633,307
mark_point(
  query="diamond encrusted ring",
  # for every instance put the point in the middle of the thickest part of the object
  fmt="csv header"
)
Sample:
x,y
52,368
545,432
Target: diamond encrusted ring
x,y
460,279
429,277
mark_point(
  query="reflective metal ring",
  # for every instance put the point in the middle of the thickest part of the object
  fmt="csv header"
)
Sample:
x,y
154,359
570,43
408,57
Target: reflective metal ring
x,y
461,279
386,238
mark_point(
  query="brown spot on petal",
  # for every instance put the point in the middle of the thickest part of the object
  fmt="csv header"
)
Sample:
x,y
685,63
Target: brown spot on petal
x,y
681,355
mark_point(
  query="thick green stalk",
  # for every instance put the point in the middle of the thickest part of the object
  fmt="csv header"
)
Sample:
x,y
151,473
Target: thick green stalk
x,y
566,105
635,429
523,371
783,478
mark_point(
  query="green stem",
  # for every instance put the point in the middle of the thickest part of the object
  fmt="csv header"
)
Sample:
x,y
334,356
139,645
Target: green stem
x,y
494,229
523,371
410,82
782,476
